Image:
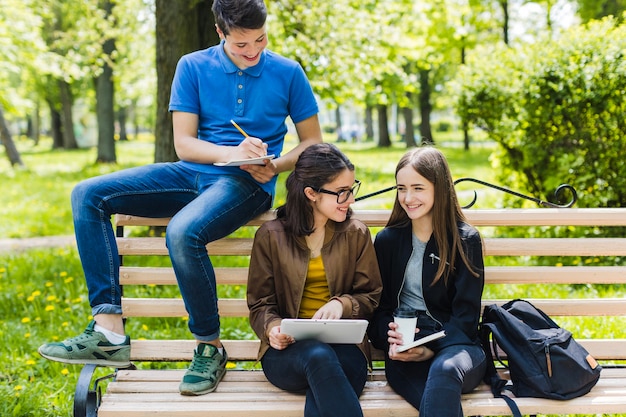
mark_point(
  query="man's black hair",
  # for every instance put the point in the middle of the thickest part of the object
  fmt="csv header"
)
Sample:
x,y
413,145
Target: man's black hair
x,y
239,14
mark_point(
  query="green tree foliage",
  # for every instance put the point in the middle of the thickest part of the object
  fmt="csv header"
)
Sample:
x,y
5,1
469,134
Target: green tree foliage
x,y
596,9
556,109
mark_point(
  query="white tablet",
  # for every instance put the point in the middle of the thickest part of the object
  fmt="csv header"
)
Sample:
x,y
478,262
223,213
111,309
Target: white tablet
x,y
252,161
328,331
419,342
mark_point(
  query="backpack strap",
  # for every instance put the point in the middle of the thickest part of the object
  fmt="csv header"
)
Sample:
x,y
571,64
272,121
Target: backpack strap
x,y
492,378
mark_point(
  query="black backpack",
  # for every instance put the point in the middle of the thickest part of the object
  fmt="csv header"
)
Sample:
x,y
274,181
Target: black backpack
x,y
543,359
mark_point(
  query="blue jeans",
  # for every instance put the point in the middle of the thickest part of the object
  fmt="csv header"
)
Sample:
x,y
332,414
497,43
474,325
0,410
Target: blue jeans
x,y
203,208
332,376
434,387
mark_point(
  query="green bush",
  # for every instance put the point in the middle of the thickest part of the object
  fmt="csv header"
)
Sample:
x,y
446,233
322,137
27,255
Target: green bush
x,y
556,108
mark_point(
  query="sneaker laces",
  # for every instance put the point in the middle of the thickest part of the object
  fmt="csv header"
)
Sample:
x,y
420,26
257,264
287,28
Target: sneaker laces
x,y
201,364
84,335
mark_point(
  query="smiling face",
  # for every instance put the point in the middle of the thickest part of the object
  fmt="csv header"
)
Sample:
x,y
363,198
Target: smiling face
x,y
325,205
416,194
244,46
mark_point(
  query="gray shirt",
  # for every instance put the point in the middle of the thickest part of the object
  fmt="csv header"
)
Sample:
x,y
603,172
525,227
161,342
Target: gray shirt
x,y
411,295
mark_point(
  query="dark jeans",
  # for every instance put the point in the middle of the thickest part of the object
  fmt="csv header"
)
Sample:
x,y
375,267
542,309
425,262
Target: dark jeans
x,y
332,376
435,386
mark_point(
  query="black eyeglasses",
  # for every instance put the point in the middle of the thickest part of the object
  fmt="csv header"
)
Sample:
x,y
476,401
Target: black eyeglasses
x,y
343,195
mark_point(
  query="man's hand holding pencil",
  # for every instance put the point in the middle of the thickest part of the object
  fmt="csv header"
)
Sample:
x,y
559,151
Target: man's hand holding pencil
x,y
253,148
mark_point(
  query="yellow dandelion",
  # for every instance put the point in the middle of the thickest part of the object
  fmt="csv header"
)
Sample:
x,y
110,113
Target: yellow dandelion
x,y
30,299
63,274
559,264
30,362
36,293
51,298
65,324
64,371
68,280
144,327
26,335
49,284
77,300
26,320
49,308
3,270
18,388
230,365
55,338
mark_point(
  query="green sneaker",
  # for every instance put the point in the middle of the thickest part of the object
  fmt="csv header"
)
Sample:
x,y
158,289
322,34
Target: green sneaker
x,y
90,347
205,372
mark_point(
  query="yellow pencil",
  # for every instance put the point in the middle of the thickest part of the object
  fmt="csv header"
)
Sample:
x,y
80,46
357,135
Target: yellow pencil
x,y
245,135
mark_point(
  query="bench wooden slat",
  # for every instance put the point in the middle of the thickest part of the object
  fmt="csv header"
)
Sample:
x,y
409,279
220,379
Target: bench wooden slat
x,y
547,217
156,246
486,217
174,307
555,246
132,275
246,350
493,246
135,275
229,307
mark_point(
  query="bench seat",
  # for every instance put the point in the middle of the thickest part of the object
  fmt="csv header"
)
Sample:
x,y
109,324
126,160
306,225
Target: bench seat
x,y
155,393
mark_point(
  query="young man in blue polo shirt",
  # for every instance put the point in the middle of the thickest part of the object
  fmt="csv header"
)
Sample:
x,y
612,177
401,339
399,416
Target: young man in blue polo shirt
x,y
237,80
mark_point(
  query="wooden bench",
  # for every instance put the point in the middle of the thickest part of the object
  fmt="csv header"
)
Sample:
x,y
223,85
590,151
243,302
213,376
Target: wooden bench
x,y
246,392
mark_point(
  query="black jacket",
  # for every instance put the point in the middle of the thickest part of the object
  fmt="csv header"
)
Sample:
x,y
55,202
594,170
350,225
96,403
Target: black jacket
x,y
456,306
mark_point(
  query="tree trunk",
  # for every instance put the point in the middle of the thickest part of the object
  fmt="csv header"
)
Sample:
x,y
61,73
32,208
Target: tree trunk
x,y
505,20
121,120
426,132
383,127
56,125
409,128
195,29
464,123
369,123
67,121
341,136
36,124
7,141
105,92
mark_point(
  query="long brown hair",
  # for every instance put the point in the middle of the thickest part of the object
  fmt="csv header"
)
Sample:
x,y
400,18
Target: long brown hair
x,y
431,164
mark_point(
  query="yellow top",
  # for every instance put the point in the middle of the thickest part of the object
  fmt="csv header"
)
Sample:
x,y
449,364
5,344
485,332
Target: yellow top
x,y
316,292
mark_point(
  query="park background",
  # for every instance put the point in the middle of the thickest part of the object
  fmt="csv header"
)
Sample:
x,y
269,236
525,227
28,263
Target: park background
x,y
524,94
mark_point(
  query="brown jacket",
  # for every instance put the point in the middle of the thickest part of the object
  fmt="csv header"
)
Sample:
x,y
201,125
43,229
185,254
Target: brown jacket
x,y
278,268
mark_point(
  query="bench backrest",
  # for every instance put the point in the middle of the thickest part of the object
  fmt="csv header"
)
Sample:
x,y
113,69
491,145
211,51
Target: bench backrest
x,y
503,276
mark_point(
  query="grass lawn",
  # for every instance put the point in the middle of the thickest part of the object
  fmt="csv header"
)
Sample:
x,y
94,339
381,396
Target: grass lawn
x,y
43,294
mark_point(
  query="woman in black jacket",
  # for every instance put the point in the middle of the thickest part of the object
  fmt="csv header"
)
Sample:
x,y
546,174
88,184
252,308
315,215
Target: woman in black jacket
x,y
431,261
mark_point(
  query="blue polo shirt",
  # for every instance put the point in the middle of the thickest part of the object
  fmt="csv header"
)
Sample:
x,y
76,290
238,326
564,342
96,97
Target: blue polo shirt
x,y
259,99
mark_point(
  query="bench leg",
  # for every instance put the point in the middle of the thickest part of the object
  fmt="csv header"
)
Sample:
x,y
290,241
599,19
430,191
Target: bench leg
x,y
87,399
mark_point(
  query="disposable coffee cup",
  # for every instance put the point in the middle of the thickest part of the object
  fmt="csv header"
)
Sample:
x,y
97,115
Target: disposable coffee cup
x,y
406,319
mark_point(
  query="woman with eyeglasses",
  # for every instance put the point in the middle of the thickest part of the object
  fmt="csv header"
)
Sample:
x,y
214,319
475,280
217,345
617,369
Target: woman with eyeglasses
x,y
314,262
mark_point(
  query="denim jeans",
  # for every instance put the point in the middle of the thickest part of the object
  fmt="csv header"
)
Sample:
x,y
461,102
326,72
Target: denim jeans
x,y
434,387
332,376
203,208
